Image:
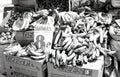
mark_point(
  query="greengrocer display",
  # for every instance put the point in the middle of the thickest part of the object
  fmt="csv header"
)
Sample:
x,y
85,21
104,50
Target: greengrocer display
x,y
74,38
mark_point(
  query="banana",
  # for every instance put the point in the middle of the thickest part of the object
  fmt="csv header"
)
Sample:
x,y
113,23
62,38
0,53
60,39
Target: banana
x,y
109,18
102,51
13,48
85,59
89,50
22,53
53,53
97,52
80,50
80,60
58,55
57,62
111,30
70,57
94,55
63,19
73,15
70,52
38,57
69,47
27,24
74,60
75,43
53,61
66,40
40,50
67,44
33,46
69,19
80,39
96,36
91,37
57,37
63,55
66,18
10,52
33,52
90,22
101,35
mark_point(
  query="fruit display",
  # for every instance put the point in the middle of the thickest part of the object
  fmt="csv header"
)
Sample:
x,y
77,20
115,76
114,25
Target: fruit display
x,y
80,38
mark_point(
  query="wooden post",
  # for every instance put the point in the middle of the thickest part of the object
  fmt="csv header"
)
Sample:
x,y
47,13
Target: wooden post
x,y
69,1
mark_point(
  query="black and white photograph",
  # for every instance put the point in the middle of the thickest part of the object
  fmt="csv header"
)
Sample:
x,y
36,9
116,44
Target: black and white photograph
x,y
59,38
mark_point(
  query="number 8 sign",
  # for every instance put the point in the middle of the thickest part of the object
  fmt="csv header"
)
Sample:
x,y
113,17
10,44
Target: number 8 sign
x,y
40,43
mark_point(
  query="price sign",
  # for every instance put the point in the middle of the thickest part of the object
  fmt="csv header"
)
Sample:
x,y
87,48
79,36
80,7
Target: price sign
x,y
43,36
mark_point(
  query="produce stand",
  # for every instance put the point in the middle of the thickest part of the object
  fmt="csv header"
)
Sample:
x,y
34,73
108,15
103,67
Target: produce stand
x,y
61,38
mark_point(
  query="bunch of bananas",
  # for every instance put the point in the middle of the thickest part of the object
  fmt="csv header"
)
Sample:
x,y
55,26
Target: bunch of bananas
x,y
81,43
73,50
78,49
66,17
44,20
14,49
34,53
31,51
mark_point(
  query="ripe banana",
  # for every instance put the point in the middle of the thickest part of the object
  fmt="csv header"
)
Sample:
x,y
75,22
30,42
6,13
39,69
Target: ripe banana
x,y
74,60
58,56
80,50
38,57
22,53
53,53
66,40
80,60
69,47
70,52
73,15
85,59
67,44
57,37
57,62
70,57
94,55
97,52
63,55
33,52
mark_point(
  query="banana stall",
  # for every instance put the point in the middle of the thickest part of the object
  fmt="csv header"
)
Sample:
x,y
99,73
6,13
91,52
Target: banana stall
x,y
66,38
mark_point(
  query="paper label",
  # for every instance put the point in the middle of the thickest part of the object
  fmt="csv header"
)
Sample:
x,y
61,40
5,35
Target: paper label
x,y
43,35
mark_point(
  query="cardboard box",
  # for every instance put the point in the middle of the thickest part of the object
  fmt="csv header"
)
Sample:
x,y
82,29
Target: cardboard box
x,y
94,69
2,67
24,67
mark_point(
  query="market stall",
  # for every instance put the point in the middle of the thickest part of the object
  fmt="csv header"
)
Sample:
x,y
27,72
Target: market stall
x,y
67,38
